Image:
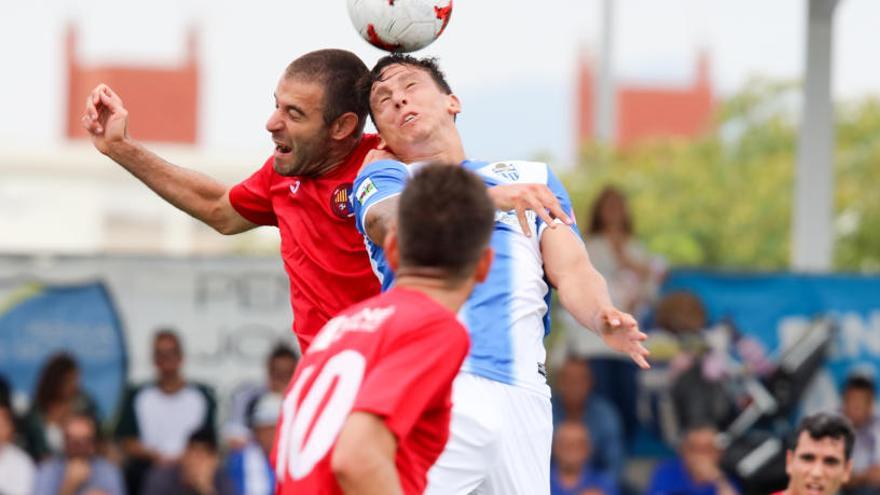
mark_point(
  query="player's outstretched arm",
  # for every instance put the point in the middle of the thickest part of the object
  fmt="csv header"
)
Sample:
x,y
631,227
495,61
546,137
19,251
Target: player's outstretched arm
x,y
363,459
536,197
204,198
584,293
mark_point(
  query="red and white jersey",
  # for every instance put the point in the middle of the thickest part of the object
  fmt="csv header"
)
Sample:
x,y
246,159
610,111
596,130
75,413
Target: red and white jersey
x,y
394,356
324,254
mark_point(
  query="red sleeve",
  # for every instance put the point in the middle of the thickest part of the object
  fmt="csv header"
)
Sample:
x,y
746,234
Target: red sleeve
x,y
420,364
252,199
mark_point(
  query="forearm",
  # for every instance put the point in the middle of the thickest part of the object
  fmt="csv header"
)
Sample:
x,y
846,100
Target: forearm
x,y
200,196
376,476
584,293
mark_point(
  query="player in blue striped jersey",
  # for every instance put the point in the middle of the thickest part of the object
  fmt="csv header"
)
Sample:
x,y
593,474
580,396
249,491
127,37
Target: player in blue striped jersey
x,y
502,423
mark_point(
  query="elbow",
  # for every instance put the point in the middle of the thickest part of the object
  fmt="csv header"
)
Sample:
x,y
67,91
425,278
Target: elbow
x,y
348,465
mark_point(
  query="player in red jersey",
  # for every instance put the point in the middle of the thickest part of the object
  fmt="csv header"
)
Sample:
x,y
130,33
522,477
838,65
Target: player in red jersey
x,y
368,409
303,188
819,462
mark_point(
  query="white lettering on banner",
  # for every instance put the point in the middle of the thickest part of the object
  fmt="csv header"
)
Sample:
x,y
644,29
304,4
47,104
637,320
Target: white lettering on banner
x,y
300,449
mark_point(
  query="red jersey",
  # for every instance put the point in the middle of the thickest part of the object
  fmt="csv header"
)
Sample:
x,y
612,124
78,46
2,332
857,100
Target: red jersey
x,y
324,254
394,356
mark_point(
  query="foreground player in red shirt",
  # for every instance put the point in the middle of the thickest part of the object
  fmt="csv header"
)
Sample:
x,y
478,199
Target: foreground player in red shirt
x,y
820,461
303,188
368,409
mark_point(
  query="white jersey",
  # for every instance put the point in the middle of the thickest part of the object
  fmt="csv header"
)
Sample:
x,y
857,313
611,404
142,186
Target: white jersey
x,y
507,316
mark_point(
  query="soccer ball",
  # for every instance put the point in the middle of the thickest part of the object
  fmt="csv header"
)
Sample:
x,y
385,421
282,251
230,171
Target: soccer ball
x,y
400,25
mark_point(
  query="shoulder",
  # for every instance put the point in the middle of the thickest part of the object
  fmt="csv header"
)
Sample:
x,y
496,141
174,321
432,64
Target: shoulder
x,y
513,171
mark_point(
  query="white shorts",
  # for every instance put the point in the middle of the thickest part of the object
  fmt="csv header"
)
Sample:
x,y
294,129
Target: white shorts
x,y
499,441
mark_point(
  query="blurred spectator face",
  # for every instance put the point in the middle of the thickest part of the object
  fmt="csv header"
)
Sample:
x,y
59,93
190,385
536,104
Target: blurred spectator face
x,y
7,427
571,446
266,414
281,370
613,209
198,464
700,451
70,385
817,467
574,383
79,437
167,356
858,405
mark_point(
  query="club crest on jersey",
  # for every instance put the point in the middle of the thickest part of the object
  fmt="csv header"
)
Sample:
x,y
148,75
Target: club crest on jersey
x,y
506,170
339,201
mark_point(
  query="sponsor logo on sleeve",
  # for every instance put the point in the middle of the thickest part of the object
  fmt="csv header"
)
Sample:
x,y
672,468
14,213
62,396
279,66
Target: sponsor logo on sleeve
x,y
365,190
506,170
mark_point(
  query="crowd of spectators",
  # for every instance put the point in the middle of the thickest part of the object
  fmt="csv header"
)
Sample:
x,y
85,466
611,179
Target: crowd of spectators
x,y
163,440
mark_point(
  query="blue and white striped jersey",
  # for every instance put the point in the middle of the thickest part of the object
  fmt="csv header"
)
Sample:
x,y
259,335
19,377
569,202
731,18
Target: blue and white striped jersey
x,y
507,316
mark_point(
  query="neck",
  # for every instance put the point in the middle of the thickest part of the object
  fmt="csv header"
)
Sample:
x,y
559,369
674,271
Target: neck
x,y
573,411
336,155
170,384
446,148
434,285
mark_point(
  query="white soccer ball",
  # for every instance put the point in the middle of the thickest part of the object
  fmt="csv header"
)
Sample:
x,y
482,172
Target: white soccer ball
x,y
400,25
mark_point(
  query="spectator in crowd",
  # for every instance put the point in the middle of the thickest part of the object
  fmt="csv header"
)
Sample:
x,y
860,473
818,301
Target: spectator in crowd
x,y
249,467
279,367
633,274
157,418
819,462
574,401
858,407
697,469
80,470
58,396
196,473
16,468
570,472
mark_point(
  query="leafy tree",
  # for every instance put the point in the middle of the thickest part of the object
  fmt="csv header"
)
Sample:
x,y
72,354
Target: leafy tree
x,y
725,199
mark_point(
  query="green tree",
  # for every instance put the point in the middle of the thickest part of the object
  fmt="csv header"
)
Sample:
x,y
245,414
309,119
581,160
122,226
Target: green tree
x,y
725,198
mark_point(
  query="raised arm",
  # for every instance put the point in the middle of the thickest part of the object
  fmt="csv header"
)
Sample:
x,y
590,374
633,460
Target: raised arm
x,y
202,197
584,293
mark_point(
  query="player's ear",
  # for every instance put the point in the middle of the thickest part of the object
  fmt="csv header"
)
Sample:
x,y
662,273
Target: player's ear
x,y
454,105
484,264
344,126
392,250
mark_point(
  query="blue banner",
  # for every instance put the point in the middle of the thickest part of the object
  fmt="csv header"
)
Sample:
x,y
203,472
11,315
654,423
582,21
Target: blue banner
x,y
38,321
773,308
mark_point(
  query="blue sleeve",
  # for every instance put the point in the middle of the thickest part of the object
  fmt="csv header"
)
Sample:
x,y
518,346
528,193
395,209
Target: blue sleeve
x,y
376,182
562,196
235,469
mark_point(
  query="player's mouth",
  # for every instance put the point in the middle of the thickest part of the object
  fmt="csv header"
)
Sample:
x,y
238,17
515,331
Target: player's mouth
x,y
408,119
282,150
814,488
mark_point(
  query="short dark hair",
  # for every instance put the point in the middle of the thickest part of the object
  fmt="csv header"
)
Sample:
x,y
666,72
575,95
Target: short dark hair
x,y
827,425
204,436
339,71
859,382
428,64
282,350
445,220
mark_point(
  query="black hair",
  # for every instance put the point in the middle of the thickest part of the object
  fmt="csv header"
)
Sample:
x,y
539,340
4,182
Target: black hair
x,y
859,382
428,64
827,425
52,376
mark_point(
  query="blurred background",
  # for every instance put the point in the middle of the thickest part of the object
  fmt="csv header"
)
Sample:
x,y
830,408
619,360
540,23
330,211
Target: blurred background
x,y
723,159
